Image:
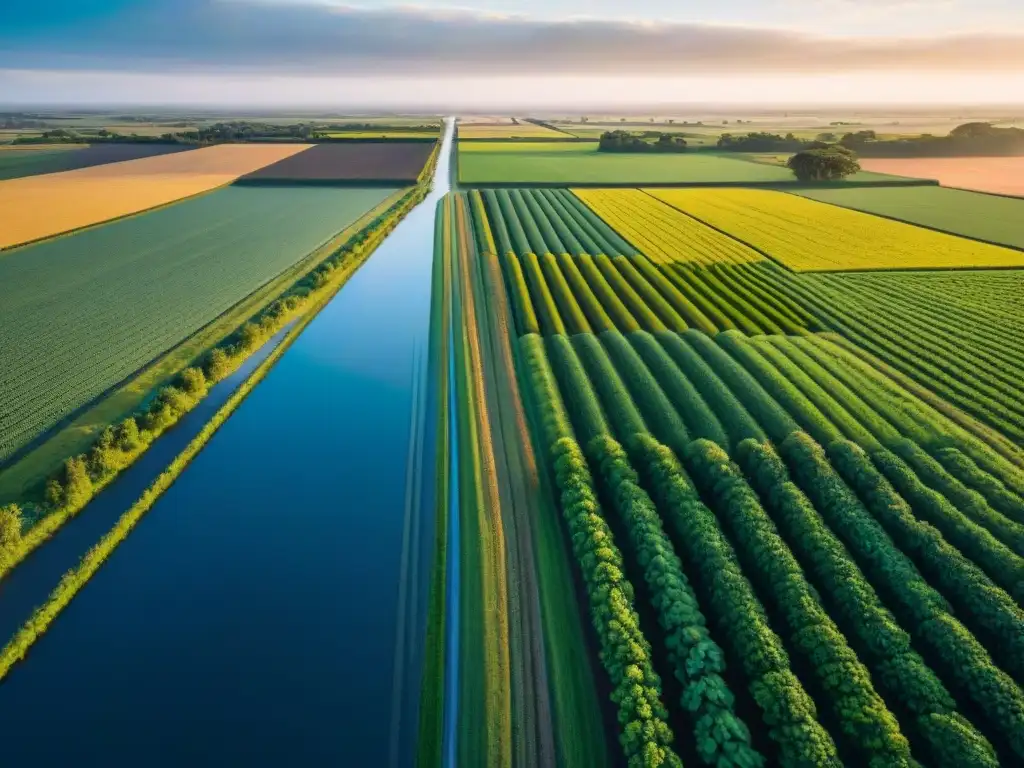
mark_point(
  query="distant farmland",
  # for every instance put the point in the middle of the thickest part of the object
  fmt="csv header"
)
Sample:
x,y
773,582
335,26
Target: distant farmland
x,y
808,236
42,206
78,314
392,161
16,164
1001,175
971,214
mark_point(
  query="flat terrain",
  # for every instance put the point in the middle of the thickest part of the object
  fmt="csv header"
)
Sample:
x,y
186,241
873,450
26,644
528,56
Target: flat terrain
x,y
54,159
42,206
510,130
971,214
1001,175
81,313
808,236
541,162
323,163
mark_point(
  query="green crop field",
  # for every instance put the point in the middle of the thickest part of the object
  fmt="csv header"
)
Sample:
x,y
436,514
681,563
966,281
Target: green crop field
x,y
80,313
780,474
972,214
580,163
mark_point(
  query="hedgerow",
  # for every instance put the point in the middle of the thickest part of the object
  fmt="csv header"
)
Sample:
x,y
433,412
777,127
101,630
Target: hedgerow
x,y
779,388
569,309
587,416
497,220
967,471
638,308
700,420
588,301
868,725
958,656
658,411
735,419
953,532
672,319
740,620
565,235
622,411
544,302
533,234
625,652
770,416
984,605
686,308
898,670
522,304
612,304
720,737
552,241
967,501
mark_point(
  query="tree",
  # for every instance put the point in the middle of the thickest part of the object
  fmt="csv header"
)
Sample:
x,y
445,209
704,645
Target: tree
x,y
10,531
823,164
827,136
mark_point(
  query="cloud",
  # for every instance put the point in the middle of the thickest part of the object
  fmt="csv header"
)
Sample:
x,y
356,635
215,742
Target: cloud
x,y
299,38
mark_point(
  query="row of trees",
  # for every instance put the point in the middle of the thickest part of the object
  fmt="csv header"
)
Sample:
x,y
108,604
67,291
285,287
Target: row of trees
x,y
76,482
624,141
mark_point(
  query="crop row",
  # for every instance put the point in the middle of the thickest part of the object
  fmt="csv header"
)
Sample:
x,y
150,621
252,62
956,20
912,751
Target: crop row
x,y
808,236
669,396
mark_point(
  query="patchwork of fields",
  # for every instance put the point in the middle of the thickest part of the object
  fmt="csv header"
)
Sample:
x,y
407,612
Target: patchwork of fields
x,y
82,312
392,162
42,206
18,163
787,474
982,217
508,130
999,175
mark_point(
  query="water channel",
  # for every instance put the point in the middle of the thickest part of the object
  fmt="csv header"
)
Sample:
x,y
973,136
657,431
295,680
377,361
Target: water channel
x,y
269,610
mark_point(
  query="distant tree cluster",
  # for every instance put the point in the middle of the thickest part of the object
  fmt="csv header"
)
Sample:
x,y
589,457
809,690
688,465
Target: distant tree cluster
x,y
823,164
233,131
761,141
967,139
624,141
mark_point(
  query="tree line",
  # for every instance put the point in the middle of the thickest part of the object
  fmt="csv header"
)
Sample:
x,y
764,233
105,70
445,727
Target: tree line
x,y
624,141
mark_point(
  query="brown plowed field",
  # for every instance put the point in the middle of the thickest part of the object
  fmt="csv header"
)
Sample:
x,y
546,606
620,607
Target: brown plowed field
x,y
35,207
347,162
1000,175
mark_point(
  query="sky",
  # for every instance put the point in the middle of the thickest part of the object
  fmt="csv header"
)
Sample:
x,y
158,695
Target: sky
x,y
480,54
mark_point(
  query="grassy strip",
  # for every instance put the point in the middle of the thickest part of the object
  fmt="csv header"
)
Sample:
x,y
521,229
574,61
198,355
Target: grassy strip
x,y
431,716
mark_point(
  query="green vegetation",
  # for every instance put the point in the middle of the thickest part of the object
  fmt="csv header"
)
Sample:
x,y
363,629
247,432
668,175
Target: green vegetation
x,y
849,592
485,163
971,214
149,282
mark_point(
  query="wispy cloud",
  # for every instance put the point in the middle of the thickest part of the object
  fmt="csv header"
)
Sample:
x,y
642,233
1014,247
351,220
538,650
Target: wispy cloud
x,y
240,35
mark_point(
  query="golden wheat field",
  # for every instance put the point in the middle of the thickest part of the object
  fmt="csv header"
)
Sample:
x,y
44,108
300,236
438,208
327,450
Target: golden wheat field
x,y
664,234
808,236
41,206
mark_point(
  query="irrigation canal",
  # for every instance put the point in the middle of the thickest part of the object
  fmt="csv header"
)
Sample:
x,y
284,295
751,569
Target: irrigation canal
x,y
270,609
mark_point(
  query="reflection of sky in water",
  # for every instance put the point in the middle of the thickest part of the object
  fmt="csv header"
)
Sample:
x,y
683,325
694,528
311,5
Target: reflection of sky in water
x,y
250,618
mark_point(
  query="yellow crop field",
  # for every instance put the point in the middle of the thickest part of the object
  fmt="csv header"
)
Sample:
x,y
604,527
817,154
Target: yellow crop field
x,y
808,236
508,131
661,232
35,207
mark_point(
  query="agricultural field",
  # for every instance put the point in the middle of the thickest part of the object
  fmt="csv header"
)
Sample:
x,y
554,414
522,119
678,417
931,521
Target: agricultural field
x,y
778,473
19,163
998,175
392,163
990,218
38,207
508,130
75,326
384,133
567,163
808,236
